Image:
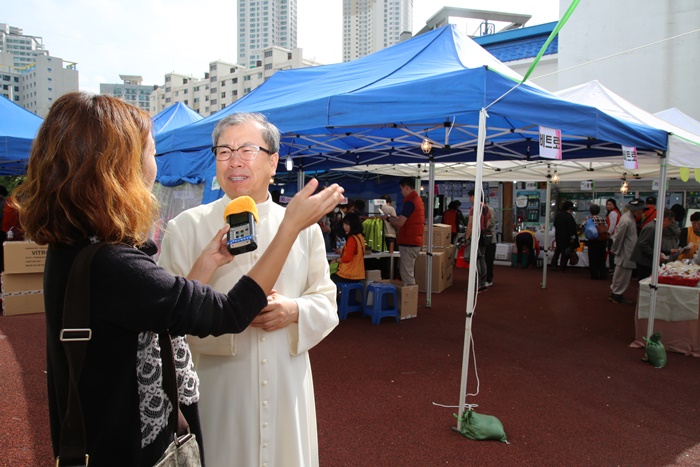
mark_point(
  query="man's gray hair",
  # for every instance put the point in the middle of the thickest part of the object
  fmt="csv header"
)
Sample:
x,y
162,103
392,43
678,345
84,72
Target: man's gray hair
x,y
270,133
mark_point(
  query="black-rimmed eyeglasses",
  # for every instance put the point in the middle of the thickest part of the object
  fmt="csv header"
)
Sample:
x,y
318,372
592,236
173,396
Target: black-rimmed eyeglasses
x,y
247,152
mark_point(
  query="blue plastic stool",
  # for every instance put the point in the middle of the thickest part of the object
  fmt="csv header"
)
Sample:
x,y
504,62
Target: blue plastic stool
x,y
383,301
350,300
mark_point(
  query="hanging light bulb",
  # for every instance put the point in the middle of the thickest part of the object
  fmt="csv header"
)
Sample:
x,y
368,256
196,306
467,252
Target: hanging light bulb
x,y
624,188
555,177
426,146
289,163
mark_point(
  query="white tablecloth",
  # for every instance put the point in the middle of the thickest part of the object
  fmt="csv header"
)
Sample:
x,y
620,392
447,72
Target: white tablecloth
x,y
673,302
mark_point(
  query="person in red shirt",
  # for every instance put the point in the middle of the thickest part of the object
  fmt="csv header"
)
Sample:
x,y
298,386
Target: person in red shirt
x,y
650,213
454,218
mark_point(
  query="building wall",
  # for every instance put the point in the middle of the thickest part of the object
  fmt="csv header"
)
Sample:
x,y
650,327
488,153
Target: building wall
x,y
44,81
639,49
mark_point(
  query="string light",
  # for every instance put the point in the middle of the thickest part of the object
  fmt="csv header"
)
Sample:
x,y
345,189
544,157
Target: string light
x,y
289,163
555,177
426,146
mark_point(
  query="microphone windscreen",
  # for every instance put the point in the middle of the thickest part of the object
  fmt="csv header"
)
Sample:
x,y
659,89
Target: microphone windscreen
x,y
239,205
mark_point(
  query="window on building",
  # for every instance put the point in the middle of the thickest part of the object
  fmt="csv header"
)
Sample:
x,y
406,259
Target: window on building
x,y
223,94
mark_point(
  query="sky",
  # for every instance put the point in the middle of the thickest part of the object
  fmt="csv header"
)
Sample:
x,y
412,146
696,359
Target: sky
x,y
150,38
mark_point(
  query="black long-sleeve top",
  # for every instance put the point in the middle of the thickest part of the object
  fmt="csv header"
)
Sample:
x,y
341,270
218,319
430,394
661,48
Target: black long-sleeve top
x,y
132,299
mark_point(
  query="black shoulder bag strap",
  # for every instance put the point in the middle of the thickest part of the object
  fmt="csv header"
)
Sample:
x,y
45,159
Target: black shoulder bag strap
x,y
170,384
75,335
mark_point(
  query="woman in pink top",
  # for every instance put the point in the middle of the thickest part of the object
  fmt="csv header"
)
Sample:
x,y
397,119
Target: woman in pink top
x,y
612,218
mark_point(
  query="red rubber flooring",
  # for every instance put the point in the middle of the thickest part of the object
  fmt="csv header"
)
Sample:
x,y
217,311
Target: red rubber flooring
x,y
553,365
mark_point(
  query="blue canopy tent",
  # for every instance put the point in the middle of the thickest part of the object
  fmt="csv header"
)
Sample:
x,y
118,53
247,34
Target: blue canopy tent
x,y
175,116
18,127
379,108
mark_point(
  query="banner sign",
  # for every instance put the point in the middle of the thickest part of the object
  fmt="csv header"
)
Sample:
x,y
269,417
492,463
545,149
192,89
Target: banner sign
x,y
550,143
629,154
586,185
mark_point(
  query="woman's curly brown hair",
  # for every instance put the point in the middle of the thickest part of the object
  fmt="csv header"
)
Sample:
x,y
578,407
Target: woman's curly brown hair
x,y
85,175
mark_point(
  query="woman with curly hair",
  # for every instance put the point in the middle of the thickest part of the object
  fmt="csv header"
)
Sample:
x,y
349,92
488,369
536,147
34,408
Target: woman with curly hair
x,y
90,178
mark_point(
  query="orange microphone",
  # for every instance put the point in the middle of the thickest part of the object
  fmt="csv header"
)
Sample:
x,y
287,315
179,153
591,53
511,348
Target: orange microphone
x,y
241,214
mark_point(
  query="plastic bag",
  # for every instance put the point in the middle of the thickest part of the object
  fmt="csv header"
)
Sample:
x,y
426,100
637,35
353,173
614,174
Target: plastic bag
x,y
591,231
655,352
481,427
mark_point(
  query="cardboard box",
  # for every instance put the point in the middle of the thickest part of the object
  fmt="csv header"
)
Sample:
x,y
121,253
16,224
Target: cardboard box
x,y
442,235
441,272
24,257
450,253
22,293
407,297
373,275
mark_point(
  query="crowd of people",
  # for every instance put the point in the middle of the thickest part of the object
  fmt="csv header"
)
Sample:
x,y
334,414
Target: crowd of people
x,y
622,244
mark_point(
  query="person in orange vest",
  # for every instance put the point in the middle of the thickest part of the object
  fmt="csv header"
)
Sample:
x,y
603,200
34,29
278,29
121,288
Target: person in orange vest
x,y
351,263
410,224
690,238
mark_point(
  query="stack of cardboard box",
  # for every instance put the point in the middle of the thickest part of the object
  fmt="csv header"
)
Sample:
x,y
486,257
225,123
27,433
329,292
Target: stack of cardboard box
x,y
443,259
23,278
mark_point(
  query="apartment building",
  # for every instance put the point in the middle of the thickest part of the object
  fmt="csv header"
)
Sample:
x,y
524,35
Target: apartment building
x,y
131,90
29,75
263,24
224,83
372,25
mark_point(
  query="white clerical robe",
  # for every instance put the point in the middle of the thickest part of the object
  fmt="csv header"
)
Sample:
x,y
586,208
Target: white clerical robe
x,y
256,392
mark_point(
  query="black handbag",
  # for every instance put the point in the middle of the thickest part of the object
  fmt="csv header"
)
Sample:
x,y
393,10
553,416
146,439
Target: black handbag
x,y
75,335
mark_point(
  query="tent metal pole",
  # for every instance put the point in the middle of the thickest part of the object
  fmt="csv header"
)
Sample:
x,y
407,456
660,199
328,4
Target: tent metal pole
x,y
300,181
429,262
471,288
658,233
546,234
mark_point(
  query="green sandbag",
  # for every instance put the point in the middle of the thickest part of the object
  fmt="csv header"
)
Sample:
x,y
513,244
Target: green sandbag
x,y
482,427
655,351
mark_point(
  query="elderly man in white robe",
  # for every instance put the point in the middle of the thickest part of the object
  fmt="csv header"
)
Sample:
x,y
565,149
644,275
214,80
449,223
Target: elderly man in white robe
x,y
256,391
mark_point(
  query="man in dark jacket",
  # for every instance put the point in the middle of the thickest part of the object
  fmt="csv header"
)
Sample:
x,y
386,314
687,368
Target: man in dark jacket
x,y
565,236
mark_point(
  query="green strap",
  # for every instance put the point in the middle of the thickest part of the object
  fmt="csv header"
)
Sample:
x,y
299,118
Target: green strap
x,y
551,37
